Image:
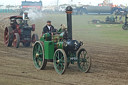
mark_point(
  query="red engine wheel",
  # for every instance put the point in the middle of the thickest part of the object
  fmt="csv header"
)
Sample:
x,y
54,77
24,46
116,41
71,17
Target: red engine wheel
x,y
8,36
16,40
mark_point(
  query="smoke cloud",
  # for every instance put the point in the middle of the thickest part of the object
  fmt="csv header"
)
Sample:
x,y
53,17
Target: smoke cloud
x,y
34,15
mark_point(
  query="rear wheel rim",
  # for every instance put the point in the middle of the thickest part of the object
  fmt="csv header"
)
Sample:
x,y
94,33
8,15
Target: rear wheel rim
x,y
6,36
38,55
60,61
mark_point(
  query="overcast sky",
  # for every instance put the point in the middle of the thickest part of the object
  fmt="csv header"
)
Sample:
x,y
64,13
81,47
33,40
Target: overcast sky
x,y
53,2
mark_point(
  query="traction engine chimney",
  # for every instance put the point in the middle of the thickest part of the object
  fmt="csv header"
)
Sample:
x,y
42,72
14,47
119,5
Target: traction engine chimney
x,y
25,18
69,21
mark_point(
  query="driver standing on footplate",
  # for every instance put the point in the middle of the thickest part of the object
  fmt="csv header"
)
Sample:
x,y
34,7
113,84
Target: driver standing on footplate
x,y
48,28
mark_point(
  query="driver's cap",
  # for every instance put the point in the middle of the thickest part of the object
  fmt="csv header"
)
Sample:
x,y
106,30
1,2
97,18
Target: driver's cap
x,y
48,21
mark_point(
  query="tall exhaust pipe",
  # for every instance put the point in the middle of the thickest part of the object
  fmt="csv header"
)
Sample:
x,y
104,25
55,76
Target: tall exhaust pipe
x,y
69,21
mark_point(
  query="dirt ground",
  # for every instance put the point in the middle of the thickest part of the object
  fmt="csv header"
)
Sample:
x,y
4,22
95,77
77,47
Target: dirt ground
x,y
109,66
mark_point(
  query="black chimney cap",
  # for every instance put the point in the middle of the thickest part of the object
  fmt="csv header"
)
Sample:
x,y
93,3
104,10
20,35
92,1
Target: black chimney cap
x,y
69,8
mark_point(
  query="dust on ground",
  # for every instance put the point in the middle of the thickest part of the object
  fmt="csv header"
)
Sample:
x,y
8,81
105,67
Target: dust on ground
x,y
109,66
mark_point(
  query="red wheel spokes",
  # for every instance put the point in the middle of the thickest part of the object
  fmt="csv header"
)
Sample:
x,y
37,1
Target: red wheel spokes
x,y
6,37
6,42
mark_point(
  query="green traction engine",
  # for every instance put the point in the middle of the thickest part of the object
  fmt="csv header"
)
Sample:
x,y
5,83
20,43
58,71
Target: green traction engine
x,y
125,26
61,49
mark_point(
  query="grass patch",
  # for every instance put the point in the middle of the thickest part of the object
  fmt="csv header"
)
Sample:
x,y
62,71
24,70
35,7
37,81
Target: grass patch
x,y
82,30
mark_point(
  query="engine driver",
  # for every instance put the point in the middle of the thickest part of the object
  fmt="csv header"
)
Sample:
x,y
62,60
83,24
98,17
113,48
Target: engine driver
x,y
48,28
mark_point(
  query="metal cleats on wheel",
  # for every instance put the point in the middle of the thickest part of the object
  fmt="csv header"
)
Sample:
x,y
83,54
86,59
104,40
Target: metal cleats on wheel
x,y
84,61
60,61
38,56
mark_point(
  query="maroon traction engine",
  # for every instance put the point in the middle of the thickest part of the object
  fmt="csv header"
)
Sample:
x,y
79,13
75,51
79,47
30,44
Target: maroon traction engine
x,y
19,31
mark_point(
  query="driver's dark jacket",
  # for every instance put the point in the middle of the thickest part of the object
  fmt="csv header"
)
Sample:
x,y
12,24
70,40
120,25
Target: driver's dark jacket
x,y
46,29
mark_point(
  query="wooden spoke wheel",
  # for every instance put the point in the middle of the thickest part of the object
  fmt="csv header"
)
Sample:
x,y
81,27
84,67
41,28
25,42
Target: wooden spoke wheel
x,y
60,61
84,61
38,56
8,36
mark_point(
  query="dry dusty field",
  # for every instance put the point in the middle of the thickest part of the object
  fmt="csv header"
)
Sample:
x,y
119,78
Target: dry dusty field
x,y
109,65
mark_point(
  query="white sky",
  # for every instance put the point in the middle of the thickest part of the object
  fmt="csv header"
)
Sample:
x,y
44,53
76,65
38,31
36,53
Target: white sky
x,y
53,2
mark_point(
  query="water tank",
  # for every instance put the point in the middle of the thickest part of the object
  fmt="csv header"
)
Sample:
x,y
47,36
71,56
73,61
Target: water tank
x,y
99,10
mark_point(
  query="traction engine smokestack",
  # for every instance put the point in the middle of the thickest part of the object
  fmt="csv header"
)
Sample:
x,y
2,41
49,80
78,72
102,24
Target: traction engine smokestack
x,y
25,18
69,21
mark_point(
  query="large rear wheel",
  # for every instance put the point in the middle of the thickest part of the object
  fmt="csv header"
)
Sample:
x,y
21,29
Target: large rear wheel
x,y
84,61
38,56
8,36
60,61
